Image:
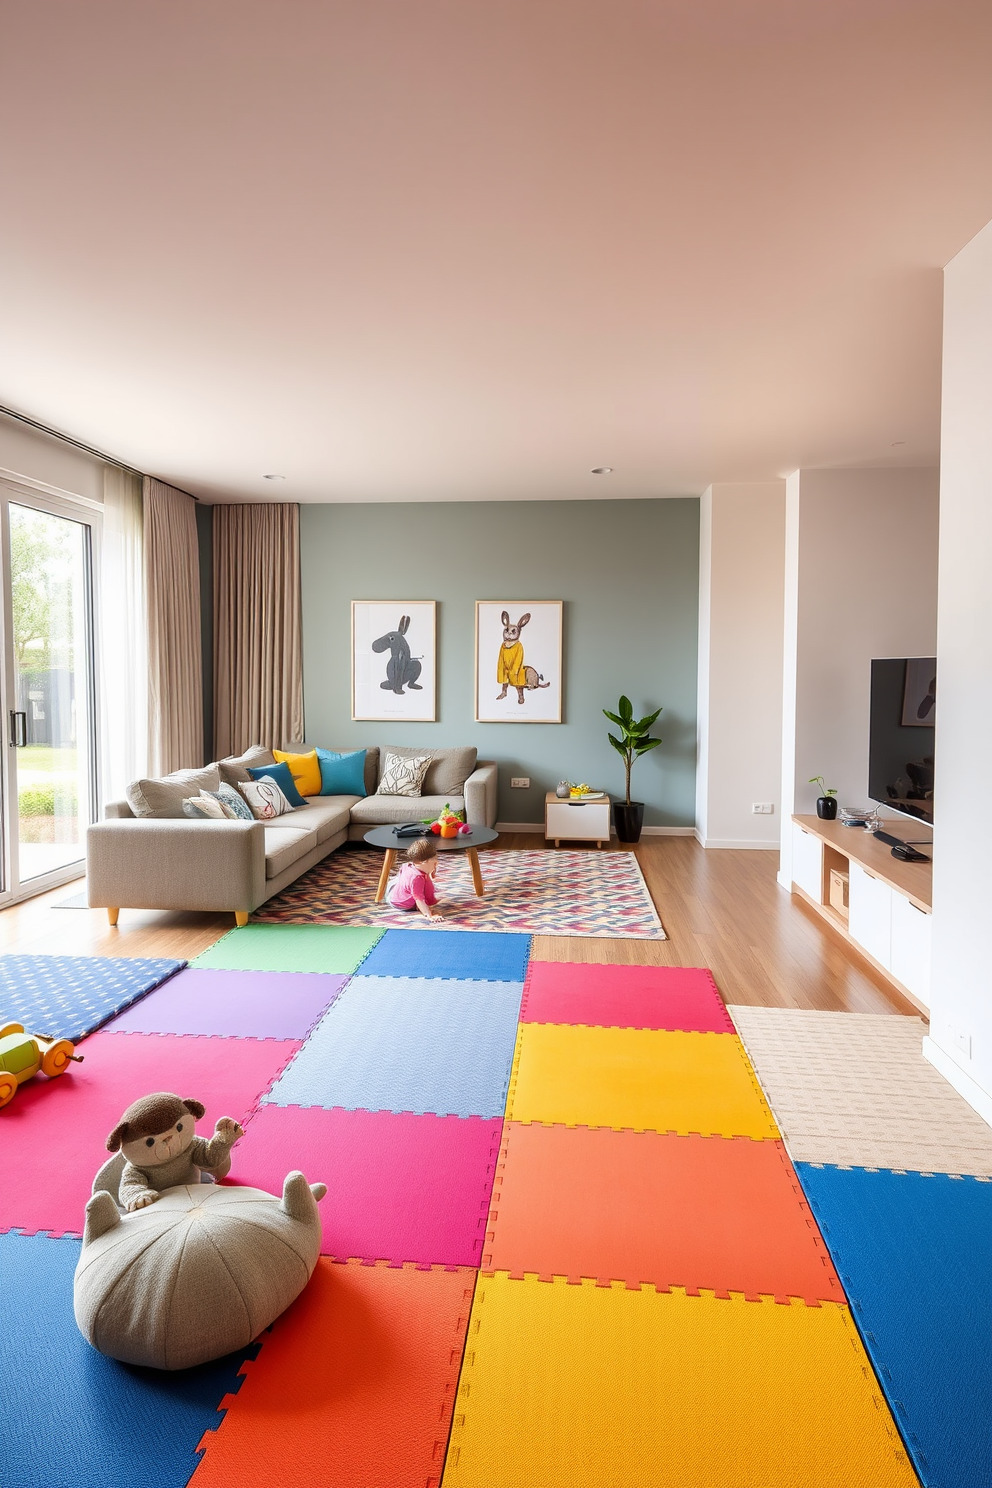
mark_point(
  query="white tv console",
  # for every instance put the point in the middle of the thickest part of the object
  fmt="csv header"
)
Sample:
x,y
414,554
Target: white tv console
x,y
888,915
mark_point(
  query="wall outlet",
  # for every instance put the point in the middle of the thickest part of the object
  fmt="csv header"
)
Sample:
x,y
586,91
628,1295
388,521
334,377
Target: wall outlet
x,y
762,808
962,1042
520,782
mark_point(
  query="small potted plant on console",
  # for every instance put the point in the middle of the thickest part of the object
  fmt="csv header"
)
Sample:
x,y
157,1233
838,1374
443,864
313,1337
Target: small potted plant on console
x,y
826,801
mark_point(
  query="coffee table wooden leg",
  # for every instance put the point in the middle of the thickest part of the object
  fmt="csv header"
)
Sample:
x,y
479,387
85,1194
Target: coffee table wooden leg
x,y
387,864
473,858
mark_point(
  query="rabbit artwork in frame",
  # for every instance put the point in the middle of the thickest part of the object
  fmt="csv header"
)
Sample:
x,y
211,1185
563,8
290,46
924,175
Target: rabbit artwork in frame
x,y
393,659
518,666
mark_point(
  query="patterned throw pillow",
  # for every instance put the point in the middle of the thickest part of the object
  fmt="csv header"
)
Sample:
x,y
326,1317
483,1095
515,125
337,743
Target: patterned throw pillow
x,y
205,807
265,798
234,804
403,776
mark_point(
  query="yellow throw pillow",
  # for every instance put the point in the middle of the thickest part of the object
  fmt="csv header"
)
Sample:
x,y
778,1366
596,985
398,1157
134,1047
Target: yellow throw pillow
x,y
305,770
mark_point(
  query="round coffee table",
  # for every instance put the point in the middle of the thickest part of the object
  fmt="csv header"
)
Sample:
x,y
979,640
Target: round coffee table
x,y
465,842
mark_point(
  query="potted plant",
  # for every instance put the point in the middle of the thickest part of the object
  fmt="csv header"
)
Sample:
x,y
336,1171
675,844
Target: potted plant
x,y
634,741
826,803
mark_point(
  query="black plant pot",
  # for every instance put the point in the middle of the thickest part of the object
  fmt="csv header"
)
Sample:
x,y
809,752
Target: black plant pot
x,y
826,808
629,820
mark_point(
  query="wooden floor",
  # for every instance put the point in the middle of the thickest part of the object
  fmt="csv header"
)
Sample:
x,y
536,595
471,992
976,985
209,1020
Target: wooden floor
x,y
721,909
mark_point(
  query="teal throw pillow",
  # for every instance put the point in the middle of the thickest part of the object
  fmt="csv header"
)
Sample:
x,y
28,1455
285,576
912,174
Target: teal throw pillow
x,y
341,774
283,777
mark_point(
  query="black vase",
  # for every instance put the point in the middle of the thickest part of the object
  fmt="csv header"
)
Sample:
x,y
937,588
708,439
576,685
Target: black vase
x,y
628,820
826,808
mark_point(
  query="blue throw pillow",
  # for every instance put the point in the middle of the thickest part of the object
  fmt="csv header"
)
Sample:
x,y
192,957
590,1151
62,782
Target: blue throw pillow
x,y
342,774
283,777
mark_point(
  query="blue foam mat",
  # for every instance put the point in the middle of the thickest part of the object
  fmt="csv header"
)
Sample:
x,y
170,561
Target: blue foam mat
x,y
74,1419
915,1256
70,996
409,1044
472,954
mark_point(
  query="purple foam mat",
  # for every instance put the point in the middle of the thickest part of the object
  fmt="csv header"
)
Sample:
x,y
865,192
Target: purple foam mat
x,y
234,1004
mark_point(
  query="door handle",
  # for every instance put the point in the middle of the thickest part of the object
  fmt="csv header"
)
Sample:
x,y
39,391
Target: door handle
x,y
18,729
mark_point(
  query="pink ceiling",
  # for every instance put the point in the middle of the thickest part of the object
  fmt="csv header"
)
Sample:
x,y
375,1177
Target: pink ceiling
x,y
446,249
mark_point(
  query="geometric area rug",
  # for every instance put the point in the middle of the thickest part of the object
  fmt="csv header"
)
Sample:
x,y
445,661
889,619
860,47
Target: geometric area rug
x,y
600,894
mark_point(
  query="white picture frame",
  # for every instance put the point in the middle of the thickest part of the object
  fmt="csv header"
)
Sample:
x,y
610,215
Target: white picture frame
x,y
518,660
394,660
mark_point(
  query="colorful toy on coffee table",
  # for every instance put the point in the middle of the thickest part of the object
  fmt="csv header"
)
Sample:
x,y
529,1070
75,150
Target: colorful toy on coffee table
x,y
22,1055
449,823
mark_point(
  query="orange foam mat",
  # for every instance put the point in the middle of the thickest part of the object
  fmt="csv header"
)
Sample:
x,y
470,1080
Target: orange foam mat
x,y
639,1078
582,1386
723,1214
353,1388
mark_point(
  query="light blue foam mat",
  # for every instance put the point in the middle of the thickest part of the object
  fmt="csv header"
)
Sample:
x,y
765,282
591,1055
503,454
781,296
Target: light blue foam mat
x,y
74,1419
408,1044
70,996
915,1256
473,954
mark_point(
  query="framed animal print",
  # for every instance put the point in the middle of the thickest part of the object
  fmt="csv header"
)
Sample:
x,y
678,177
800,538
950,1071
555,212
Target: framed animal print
x,y
518,660
393,670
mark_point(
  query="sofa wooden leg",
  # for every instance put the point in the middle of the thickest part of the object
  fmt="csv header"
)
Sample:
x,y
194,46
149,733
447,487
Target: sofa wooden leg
x,y
112,915
241,916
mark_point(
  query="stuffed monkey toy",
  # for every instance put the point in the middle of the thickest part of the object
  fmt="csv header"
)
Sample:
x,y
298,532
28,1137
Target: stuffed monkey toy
x,y
158,1139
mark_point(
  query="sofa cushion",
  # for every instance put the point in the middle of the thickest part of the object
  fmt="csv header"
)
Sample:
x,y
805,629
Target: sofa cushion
x,y
447,772
305,770
371,759
324,815
165,796
403,774
380,811
342,774
283,848
234,769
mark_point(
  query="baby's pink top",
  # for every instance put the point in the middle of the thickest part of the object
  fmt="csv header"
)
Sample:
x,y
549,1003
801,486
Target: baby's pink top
x,y
412,887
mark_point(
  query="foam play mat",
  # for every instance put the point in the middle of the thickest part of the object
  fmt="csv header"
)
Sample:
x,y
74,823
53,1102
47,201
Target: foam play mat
x,y
563,1244
70,996
588,893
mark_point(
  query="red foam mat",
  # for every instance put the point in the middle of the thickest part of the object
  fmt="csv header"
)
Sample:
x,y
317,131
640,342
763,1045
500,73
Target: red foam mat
x,y
54,1132
672,998
353,1387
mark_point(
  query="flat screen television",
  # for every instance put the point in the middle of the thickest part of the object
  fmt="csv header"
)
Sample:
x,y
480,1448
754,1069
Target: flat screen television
x,y
901,737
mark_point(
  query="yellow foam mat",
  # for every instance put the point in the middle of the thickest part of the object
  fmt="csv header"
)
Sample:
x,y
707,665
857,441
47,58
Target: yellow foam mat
x,y
581,1386
637,1078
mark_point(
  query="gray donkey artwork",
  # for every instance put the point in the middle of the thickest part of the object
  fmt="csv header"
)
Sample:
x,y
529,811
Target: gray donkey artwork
x,y
402,669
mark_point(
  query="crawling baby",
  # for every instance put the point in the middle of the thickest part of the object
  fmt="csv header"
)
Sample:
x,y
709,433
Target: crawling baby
x,y
157,1136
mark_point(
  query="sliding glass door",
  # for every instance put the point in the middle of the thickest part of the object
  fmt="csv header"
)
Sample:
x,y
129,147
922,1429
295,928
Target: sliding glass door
x,y
49,795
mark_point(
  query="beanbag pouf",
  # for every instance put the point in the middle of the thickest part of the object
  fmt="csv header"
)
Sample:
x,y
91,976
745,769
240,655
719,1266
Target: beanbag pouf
x,y
197,1274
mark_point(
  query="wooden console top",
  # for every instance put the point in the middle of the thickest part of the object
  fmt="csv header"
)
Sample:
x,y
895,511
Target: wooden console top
x,y
915,880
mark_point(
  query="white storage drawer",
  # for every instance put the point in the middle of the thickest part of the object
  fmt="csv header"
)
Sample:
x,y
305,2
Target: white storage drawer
x,y
870,914
911,937
587,823
807,862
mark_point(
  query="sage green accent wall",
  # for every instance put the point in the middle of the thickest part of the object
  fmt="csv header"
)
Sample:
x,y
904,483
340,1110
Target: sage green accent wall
x,y
628,572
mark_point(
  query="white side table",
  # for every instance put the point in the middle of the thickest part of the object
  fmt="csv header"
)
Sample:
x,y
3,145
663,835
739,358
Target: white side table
x,y
576,821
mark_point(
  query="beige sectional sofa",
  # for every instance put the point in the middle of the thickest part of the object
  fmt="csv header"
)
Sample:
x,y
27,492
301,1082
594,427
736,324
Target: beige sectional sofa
x,y
147,855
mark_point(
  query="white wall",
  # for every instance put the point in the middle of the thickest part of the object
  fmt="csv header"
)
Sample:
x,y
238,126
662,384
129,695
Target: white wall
x,y
861,582
38,457
960,1042
741,596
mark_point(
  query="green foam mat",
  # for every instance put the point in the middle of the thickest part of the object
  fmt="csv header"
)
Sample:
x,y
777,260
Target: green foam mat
x,y
335,948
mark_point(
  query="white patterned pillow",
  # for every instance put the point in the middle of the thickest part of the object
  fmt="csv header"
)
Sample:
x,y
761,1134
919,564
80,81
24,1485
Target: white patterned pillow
x,y
264,797
205,807
403,775
234,804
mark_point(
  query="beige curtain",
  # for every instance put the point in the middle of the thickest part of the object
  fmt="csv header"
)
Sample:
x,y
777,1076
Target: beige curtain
x,y
258,638
172,586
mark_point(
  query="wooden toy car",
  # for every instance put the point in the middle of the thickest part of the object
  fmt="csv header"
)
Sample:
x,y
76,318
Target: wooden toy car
x,y
22,1055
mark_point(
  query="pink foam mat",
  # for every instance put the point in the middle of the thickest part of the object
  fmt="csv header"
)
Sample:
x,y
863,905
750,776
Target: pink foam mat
x,y
53,1134
672,998
400,1187
234,1004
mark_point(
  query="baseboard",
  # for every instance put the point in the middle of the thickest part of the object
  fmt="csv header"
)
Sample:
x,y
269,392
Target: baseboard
x,y
504,826
963,1083
738,845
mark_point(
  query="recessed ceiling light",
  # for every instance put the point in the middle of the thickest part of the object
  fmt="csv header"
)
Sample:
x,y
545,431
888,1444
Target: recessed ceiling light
x,y
273,477
602,470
